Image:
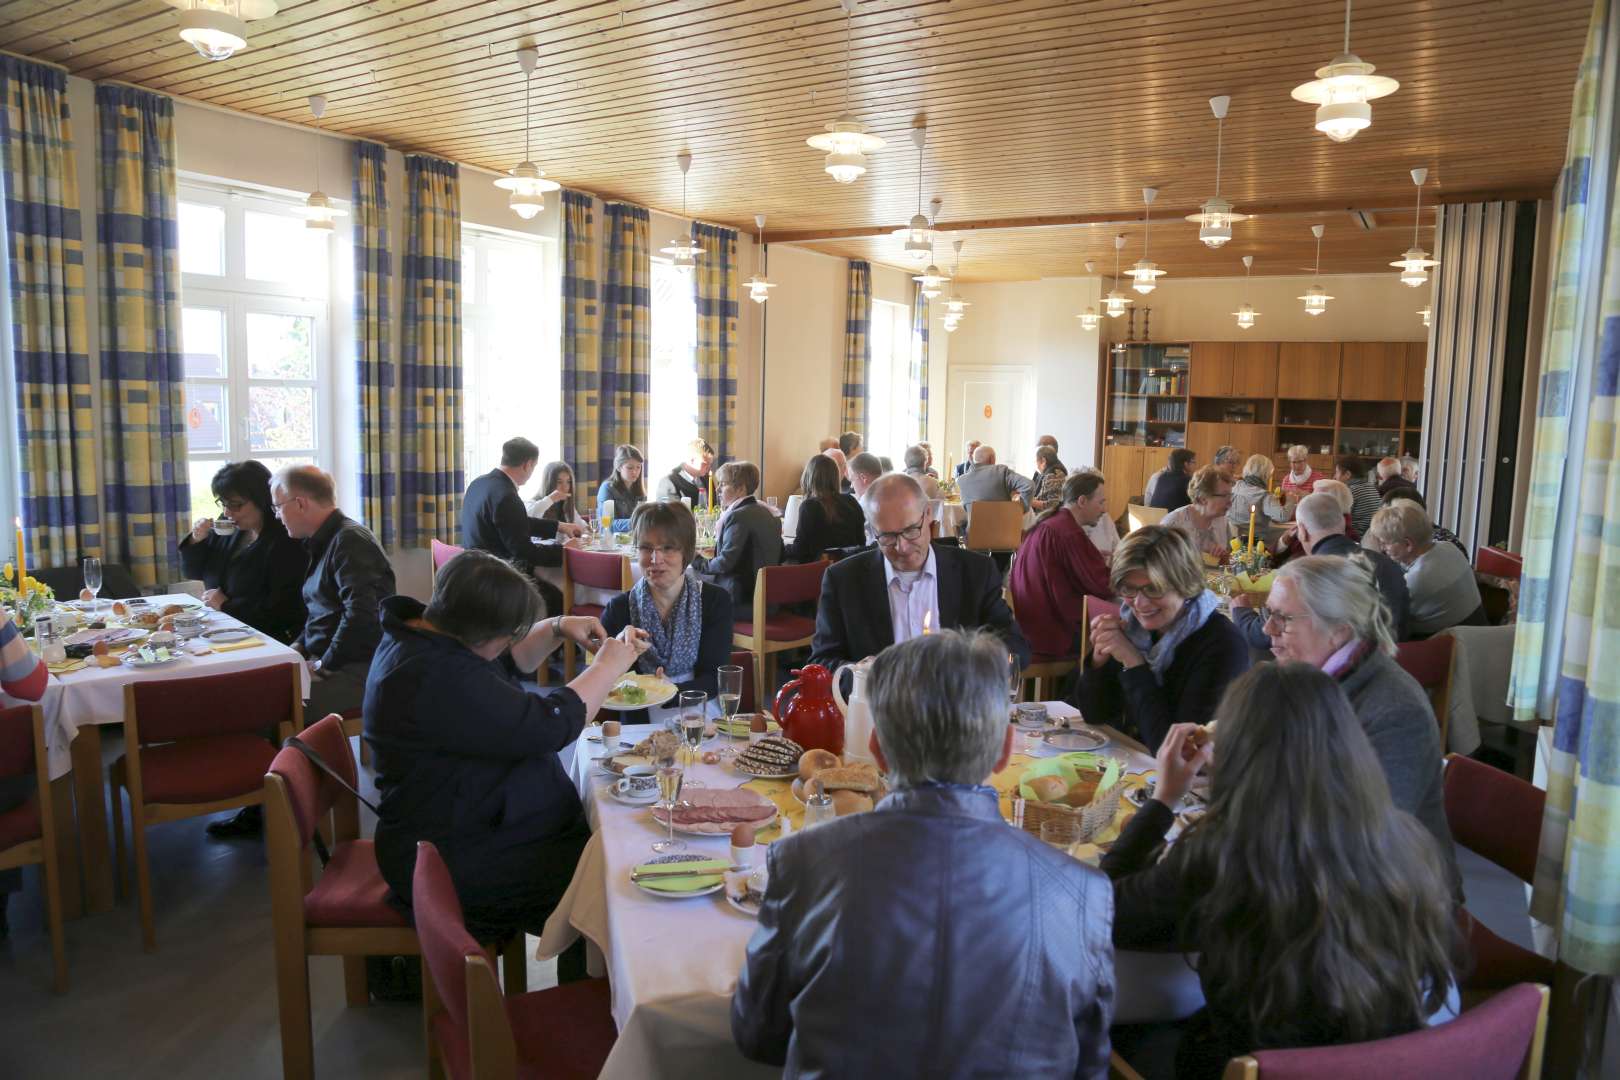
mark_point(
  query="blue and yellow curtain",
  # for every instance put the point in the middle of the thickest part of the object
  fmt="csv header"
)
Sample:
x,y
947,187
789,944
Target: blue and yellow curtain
x,y
581,358
373,340
626,359
146,494
431,474
857,346
716,295
1568,631
918,376
49,335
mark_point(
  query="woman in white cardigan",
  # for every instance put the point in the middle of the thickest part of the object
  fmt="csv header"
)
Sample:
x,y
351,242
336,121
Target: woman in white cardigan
x,y
558,503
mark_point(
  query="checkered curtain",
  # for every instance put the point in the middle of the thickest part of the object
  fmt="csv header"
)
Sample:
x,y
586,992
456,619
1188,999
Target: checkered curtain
x,y
857,346
716,294
1569,599
581,358
919,358
49,336
626,329
431,478
373,341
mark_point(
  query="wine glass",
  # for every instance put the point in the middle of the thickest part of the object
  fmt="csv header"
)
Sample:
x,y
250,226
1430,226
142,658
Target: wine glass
x,y
669,794
690,720
92,581
728,680
1015,678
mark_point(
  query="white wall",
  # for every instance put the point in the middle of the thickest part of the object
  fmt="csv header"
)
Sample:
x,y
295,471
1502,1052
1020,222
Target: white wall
x,y
804,347
1366,307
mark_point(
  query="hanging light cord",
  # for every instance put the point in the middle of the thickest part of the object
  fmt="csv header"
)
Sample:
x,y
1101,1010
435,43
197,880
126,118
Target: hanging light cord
x,y
317,153
528,81
1318,271
1147,226
1220,125
849,47
1417,220
1347,25
919,174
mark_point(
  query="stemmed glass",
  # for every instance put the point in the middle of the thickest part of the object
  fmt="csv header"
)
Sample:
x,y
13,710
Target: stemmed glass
x,y
728,679
1015,678
669,793
690,720
92,581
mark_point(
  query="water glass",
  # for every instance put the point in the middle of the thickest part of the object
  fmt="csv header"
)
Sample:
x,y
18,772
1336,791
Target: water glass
x,y
1061,832
691,719
92,580
669,795
1015,678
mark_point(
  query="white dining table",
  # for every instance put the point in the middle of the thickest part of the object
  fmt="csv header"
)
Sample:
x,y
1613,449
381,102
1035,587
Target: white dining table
x,y
673,963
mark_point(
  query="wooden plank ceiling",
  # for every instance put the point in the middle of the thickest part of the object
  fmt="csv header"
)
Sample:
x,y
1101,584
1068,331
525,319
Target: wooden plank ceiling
x,y
1035,108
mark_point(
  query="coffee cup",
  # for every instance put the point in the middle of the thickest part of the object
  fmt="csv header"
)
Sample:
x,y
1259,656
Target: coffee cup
x,y
639,781
224,526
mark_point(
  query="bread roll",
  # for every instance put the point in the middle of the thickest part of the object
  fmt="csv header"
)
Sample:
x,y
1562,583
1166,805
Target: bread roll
x,y
850,802
814,761
862,776
1082,791
1049,788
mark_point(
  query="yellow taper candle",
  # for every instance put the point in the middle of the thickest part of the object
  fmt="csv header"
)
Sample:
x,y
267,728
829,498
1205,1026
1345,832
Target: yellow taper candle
x,y
22,563
711,491
1251,528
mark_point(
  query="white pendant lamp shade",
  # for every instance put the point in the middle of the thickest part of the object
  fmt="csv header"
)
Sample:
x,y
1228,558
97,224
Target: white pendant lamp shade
x,y
526,181
918,235
1115,303
1425,314
217,29
318,210
683,250
1415,264
1216,217
1316,298
1245,312
845,140
759,287
1145,273
931,280
1088,318
1341,90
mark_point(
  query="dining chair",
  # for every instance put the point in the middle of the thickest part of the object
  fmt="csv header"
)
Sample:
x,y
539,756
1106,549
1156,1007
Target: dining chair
x,y
565,1031
1503,1039
606,570
442,553
767,634
194,747
1499,563
28,830
344,911
1137,515
1497,816
994,525
744,659
1432,662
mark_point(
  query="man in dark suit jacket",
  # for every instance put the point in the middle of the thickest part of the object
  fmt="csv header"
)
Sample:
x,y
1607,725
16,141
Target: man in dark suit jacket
x,y
493,518
750,537
906,584
1167,488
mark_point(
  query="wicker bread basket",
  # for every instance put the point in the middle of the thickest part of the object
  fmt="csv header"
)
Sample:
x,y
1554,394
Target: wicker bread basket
x,y
1094,817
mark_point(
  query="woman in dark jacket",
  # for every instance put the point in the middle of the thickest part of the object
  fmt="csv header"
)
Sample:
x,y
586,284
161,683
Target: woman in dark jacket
x,y
256,571
828,518
625,489
466,757
687,621
1168,655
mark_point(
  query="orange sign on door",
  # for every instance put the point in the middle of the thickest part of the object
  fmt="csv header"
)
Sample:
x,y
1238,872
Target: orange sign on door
x,y
987,412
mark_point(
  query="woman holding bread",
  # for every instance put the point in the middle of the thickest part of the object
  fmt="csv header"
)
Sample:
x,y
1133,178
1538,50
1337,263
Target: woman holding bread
x,y
1168,654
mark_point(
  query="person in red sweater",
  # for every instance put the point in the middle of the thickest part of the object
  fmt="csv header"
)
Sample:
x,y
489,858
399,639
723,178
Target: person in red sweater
x,y
22,675
1058,566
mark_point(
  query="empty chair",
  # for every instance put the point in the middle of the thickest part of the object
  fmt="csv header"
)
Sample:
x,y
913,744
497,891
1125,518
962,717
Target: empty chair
x,y
592,570
117,583
565,1031
1137,515
28,830
767,633
995,526
1499,563
1431,662
194,747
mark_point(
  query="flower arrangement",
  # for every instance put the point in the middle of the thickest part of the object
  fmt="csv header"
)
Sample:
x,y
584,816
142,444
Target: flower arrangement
x,y
25,598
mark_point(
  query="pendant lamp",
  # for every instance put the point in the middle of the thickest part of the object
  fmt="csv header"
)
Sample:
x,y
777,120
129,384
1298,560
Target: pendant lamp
x,y
318,210
758,286
526,182
1316,298
845,141
1245,312
1216,217
683,250
1115,303
1341,90
217,29
1415,264
1146,273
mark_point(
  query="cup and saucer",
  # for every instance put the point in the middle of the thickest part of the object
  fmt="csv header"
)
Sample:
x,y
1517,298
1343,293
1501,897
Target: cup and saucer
x,y
637,787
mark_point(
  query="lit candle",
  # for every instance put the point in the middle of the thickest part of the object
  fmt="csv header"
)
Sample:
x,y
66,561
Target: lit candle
x,y
1251,528
928,622
22,563
711,491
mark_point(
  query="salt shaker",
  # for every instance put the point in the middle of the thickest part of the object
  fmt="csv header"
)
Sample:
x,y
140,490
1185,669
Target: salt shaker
x,y
51,648
818,808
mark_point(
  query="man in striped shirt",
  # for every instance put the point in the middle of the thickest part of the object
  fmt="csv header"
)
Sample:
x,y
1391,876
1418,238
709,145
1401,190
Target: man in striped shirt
x,y
22,675
1351,471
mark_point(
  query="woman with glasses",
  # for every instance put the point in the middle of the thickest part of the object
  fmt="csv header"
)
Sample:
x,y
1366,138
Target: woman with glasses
x,y
1324,610
1168,655
687,621
250,568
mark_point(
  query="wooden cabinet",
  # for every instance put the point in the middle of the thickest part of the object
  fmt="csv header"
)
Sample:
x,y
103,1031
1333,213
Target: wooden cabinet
x,y
1204,439
1308,369
1417,362
1211,369
1254,369
1126,469
1253,438
1373,370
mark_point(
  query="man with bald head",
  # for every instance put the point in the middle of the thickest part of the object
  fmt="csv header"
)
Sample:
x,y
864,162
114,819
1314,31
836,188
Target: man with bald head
x,y
906,585
842,462
988,480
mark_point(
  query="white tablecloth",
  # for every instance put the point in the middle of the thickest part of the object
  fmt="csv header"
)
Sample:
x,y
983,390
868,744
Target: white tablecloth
x,y
674,963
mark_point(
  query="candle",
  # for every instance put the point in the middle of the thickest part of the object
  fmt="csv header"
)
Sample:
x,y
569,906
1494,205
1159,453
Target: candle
x,y
711,491
1251,528
22,563
928,622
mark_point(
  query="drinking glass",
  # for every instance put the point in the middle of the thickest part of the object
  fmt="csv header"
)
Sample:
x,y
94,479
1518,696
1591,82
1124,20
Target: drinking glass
x,y
669,794
728,683
691,719
1015,678
605,516
770,501
92,581
1061,832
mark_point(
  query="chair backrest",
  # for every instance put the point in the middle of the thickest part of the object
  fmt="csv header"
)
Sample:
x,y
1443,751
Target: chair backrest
x,y
461,969
1137,515
994,525
1430,662
442,553
1504,564
745,660
117,583
1494,814
1498,1040
1100,605
597,569
251,702
17,741
793,584
312,793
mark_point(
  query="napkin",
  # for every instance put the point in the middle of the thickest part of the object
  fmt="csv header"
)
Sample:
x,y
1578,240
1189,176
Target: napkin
x,y
683,884
250,643
66,667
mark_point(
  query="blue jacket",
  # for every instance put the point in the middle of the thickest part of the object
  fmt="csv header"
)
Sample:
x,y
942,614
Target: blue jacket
x,y
928,938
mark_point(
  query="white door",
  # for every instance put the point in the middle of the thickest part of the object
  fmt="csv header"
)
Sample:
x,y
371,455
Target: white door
x,y
996,406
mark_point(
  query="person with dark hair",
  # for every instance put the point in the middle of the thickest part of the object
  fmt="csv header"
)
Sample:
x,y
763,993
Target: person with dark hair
x,y
688,622
624,489
850,443
1300,943
1058,567
829,518
1167,488
493,517
689,479
748,537
250,568
1044,464
466,758
1351,471
559,503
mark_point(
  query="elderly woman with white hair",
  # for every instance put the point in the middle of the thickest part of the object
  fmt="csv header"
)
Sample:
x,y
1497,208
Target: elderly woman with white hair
x,y
1253,490
1324,611
1441,583
1298,481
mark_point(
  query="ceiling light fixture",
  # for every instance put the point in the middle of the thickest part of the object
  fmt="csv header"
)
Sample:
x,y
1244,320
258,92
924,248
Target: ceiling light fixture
x,y
1115,303
919,235
758,287
318,210
1342,89
1426,314
1216,217
1146,273
526,182
217,29
1089,317
1415,264
1245,312
683,250
1316,298
955,306
846,142
931,280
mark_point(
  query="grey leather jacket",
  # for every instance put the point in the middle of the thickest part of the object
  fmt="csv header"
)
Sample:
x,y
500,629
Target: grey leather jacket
x,y
928,938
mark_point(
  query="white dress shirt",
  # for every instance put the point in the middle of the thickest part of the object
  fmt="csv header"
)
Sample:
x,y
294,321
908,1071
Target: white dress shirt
x,y
910,601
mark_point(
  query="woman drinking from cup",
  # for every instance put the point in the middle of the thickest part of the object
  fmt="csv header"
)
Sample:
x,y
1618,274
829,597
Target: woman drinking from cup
x,y
558,502
250,568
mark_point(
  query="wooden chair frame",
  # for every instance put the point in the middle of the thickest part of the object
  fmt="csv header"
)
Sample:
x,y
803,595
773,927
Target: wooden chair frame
x,y
42,852
763,649
1137,515
999,522
142,814
626,582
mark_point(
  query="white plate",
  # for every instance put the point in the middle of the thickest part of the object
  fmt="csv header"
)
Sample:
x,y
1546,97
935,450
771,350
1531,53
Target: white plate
x,y
751,910
759,826
664,894
133,659
1070,740
653,699
227,634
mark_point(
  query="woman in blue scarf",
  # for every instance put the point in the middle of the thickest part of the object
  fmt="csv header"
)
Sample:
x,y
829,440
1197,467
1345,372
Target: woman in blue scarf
x,y
1167,656
688,622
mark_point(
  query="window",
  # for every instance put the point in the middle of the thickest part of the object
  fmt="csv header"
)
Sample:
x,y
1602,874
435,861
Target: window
x,y
674,420
254,335
891,405
511,354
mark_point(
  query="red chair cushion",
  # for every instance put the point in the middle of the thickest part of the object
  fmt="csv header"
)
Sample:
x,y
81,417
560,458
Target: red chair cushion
x,y
1498,963
205,770
1043,658
595,569
260,699
779,627
794,584
21,824
351,891
1428,661
17,741
592,610
566,1031
1494,814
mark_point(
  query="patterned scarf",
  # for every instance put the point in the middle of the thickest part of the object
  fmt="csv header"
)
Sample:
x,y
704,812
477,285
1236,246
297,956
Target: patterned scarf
x,y
672,646
1159,654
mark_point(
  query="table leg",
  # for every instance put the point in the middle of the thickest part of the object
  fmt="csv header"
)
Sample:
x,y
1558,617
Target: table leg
x,y
88,794
67,846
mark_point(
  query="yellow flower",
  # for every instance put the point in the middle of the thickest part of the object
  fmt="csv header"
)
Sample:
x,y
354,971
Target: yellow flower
x,y
1237,545
8,570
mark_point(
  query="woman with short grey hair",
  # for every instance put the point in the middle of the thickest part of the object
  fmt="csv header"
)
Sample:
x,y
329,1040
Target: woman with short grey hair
x,y
1441,583
940,713
916,462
